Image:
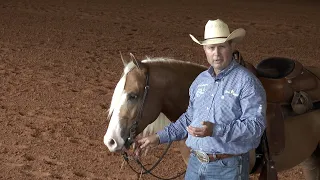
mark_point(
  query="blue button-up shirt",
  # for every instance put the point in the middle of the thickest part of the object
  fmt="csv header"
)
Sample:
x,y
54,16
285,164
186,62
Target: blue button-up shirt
x,y
234,100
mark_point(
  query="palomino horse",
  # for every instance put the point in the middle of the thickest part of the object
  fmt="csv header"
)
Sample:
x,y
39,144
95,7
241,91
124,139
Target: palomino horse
x,y
151,87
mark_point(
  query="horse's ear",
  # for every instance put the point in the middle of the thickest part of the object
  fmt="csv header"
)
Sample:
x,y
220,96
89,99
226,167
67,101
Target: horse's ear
x,y
135,61
123,60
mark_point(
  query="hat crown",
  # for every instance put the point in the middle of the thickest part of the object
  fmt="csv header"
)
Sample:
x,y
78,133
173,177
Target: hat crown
x,y
216,29
217,32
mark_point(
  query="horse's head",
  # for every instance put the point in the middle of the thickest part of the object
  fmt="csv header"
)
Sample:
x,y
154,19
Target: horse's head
x,y
129,113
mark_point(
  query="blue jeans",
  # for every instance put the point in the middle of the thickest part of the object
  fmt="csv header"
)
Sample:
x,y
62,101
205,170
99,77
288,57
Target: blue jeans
x,y
233,168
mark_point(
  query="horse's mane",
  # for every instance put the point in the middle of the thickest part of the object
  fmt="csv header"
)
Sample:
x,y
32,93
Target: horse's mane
x,y
116,97
170,61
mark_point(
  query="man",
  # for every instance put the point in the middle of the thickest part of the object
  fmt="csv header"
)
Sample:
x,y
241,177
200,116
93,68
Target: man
x,y
226,114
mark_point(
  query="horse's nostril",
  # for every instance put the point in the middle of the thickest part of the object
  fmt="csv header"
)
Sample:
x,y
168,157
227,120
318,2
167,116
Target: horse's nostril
x,y
111,142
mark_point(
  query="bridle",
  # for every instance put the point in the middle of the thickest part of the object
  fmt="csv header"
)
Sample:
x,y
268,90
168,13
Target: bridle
x,y
133,128
132,135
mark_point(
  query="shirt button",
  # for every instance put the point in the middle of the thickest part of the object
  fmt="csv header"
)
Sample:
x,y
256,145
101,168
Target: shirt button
x,y
207,108
212,95
222,97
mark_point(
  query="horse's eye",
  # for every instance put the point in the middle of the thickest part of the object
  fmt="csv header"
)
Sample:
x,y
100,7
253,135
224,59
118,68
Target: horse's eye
x,y
132,96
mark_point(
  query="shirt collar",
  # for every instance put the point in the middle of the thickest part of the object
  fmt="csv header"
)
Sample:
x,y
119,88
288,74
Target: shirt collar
x,y
225,71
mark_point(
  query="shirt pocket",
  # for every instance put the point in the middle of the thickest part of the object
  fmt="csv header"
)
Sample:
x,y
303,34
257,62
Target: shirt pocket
x,y
229,100
229,106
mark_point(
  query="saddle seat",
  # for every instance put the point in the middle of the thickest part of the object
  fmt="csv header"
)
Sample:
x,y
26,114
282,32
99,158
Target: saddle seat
x,y
282,77
275,68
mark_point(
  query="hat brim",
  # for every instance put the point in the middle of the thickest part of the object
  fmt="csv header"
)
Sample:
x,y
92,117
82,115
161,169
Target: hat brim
x,y
236,36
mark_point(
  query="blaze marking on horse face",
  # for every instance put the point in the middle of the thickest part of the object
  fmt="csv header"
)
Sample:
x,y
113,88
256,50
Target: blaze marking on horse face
x,y
112,138
119,89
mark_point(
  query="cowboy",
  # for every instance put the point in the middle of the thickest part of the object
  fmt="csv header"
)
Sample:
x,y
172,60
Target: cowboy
x,y
226,116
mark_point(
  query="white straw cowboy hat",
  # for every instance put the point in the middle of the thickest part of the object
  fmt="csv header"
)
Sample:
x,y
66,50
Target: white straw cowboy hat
x,y
216,32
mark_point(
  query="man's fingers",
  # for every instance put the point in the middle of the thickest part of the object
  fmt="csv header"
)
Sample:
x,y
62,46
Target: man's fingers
x,y
144,143
146,151
151,141
135,145
137,152
205,130
195,129
141,141
198,132
143,146
206,123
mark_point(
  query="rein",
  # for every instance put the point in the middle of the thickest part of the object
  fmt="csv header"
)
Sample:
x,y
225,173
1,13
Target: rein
x,y
148,171
132,135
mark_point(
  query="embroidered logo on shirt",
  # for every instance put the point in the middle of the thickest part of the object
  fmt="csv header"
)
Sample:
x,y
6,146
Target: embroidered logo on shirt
x,y
231,92
201,89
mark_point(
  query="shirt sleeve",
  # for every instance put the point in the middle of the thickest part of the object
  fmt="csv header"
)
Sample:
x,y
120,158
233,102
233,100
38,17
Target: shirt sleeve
x,y
252,122
178,130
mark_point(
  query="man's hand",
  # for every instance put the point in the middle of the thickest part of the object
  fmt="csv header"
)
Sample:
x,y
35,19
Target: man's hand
x,y
147,142
205,130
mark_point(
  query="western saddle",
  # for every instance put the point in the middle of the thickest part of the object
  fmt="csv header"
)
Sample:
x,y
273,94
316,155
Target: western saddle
x,y
291,89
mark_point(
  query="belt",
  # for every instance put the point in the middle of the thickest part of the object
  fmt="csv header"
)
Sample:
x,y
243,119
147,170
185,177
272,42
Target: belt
x,y
204,157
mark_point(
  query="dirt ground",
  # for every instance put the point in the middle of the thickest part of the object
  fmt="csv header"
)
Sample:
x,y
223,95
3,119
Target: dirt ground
x,y
59,64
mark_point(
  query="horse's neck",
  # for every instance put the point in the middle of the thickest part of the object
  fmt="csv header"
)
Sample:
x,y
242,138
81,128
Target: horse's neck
x,y
176,79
